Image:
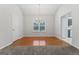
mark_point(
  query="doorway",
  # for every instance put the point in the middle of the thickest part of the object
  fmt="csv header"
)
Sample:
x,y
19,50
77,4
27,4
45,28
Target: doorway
x,y
66,27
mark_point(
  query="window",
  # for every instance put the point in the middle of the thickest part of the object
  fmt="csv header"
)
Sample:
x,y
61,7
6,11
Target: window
x,y
39,26
42,26
69,27
69,22
36,26
69,34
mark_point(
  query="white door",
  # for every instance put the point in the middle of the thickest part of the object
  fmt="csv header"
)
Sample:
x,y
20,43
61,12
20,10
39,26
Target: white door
x,y
66,30
14,27
69,29
64,27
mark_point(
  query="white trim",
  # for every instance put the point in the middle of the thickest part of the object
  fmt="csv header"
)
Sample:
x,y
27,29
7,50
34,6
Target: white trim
x,y
6,45
75,46
39,36
17,38
64,40
10,43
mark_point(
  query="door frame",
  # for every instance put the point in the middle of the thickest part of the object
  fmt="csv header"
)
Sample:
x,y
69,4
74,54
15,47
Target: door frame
x,y
70,39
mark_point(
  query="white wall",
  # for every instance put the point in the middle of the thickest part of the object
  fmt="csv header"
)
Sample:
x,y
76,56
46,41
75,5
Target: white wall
x,y
17,22
28,26
75,27
75,22
64,9
5,31
11,15
7,12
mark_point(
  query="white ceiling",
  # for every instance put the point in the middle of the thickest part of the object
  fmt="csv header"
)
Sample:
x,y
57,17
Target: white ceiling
x,y
39,9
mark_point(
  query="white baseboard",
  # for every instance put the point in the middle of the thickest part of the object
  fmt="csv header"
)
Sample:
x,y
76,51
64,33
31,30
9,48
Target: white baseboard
x,y
75,46
17,38
10,43
6,45
39,36
64,40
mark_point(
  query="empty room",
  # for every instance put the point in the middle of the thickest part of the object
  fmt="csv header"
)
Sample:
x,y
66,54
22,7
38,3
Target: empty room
x,y
39,29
